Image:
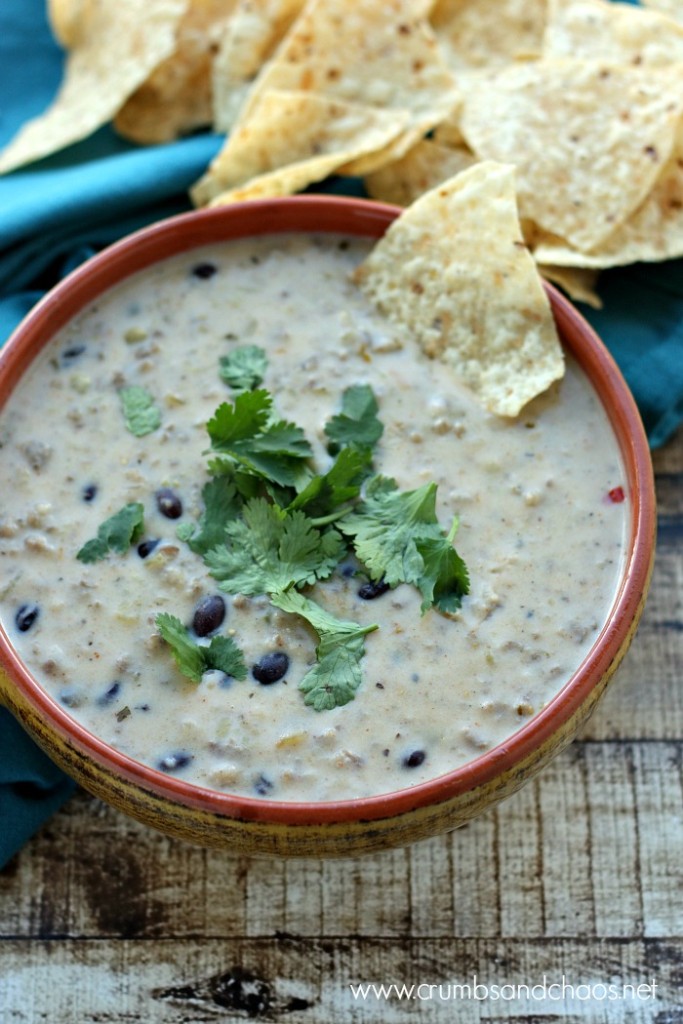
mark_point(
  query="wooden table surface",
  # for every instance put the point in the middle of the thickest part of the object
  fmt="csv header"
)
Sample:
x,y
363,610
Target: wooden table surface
x,y
576,882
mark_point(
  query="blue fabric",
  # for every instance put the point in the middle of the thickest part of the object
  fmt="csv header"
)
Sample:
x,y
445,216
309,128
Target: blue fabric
x,y
56,213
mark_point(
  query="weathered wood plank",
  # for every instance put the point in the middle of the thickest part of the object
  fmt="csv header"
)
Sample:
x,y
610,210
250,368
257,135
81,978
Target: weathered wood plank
x,y
309,981
592,848
431,886
615,852
476,878
522,895
658,787
567,842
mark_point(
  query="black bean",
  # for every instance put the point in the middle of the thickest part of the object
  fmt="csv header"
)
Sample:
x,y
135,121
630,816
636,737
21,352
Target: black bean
x,y
110,694
263,785
72,697
208,615
173,762
146,547
204,270
169,504
372,589
271,667
26,616
70,354
414,759
89,491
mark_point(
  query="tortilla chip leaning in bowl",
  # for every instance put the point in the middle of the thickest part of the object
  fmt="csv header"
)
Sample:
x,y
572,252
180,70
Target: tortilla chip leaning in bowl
x,y
453,269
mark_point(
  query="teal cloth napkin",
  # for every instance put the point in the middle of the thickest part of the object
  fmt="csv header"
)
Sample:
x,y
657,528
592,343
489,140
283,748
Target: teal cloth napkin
x,y
56,213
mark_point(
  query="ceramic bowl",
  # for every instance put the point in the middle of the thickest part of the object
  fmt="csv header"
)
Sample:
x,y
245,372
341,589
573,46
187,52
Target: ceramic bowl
x,y
255,826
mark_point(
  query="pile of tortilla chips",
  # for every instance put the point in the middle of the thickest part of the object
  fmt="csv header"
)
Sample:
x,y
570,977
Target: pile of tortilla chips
x,y
583,98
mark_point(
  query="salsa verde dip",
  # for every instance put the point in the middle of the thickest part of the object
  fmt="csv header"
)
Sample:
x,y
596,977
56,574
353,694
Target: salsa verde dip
x,y
542,529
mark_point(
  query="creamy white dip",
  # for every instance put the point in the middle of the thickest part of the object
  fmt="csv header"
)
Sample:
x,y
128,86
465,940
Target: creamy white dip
x,y
543,541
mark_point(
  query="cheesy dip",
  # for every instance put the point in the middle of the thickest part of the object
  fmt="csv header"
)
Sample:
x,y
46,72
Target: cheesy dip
x,y
113,415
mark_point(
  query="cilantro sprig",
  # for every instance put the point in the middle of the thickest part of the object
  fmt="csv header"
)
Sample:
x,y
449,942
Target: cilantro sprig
x,y
397,536
273,525
245,367
195,659
270,549
140,413
326,492
334,679
115,534
295,526
357,423
222,503
244,432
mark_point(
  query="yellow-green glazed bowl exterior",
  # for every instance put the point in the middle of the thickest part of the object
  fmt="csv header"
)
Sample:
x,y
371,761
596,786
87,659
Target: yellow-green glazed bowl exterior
x,y
346,827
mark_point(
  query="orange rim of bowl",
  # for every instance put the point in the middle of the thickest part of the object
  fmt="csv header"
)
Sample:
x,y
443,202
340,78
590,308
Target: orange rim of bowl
x,y
345,216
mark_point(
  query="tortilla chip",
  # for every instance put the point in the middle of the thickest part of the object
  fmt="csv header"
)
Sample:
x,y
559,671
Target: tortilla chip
x,y
293,139
253,32
577,282
69,20
652,233
448,132
488,33
674,8
121,45
177,97
601,30
360,51
588,139
454,271
423,167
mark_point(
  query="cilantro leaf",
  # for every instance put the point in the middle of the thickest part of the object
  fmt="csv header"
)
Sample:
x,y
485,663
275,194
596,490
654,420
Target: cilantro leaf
x,y
334,679
397,536
357,423
194,659
221,504
224,655
445,579
385,526
340,484
115,534
269,549
245,367
240,420
141,414
275,451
